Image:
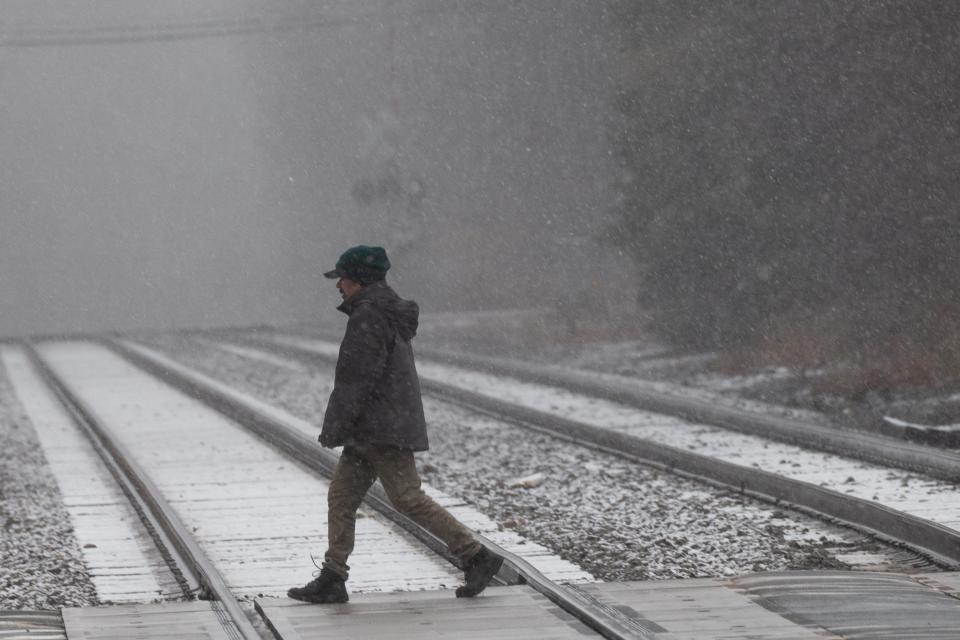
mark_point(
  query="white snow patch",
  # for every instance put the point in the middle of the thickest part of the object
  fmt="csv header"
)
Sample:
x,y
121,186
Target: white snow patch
x,y
528,482
903,423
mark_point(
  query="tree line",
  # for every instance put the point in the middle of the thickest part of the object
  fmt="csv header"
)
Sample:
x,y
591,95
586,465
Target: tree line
x,y
788,176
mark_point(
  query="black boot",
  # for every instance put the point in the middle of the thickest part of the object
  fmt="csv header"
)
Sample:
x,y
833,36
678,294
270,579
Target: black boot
x,y
327,588
479,572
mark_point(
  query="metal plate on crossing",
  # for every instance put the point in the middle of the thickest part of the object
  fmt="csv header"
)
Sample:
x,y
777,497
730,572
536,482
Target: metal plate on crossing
x,y
31,625
854,604
698,609
196,620
512,613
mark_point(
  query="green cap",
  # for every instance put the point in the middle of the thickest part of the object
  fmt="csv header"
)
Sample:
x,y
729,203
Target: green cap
x,y
361,264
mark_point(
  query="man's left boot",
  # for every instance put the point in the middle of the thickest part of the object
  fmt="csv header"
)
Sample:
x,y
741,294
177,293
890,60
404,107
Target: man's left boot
x,y
479,572
327,588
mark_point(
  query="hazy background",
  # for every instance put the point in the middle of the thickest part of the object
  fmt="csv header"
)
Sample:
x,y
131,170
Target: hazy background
x,y
778,177
185,163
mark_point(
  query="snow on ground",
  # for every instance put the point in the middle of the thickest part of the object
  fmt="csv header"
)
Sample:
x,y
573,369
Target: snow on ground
x,y
41,565
616,519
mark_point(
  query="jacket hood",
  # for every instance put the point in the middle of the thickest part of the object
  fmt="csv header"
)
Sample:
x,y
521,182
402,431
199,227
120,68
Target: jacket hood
x,y
402,314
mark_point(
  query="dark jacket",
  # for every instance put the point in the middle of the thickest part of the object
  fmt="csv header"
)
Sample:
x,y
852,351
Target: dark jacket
x,y
376,391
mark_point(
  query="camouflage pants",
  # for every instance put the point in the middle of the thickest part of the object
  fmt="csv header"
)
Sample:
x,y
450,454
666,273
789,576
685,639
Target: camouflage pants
x,y
356,472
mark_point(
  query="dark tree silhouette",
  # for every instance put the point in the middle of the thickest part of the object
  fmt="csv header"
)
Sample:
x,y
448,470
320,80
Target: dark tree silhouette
x,y
790,168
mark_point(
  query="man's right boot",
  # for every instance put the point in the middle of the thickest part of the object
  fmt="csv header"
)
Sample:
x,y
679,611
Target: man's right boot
x,y
327,588
479,572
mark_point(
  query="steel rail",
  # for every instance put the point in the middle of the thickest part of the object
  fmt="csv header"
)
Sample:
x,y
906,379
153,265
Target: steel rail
x,y
175,535
274,427
930,539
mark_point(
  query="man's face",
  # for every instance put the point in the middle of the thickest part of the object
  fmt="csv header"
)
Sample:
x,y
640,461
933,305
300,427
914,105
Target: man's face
x,y
347,287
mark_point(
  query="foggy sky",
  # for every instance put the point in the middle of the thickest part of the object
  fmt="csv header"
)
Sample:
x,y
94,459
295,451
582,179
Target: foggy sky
x,y
151,178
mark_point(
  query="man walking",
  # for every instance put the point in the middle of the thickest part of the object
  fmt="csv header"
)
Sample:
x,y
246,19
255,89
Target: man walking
x,y
375,412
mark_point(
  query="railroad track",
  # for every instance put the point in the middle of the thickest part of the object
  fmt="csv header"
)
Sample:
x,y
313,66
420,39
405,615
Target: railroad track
x,y
648,396
107,407
920,512
179,546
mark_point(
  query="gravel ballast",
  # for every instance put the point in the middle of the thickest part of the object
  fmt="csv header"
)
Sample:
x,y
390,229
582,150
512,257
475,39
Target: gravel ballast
x,y
616,519
41,566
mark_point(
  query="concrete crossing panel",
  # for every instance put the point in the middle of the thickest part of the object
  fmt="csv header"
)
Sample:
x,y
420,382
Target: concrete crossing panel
x,y
504,613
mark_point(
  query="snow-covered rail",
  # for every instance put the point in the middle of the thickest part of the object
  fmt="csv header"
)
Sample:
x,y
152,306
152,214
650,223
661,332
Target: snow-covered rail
x,y
649,396
922,513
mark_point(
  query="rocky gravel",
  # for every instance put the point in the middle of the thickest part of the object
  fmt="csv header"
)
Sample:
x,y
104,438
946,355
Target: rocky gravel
x,y
616,519
41,566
